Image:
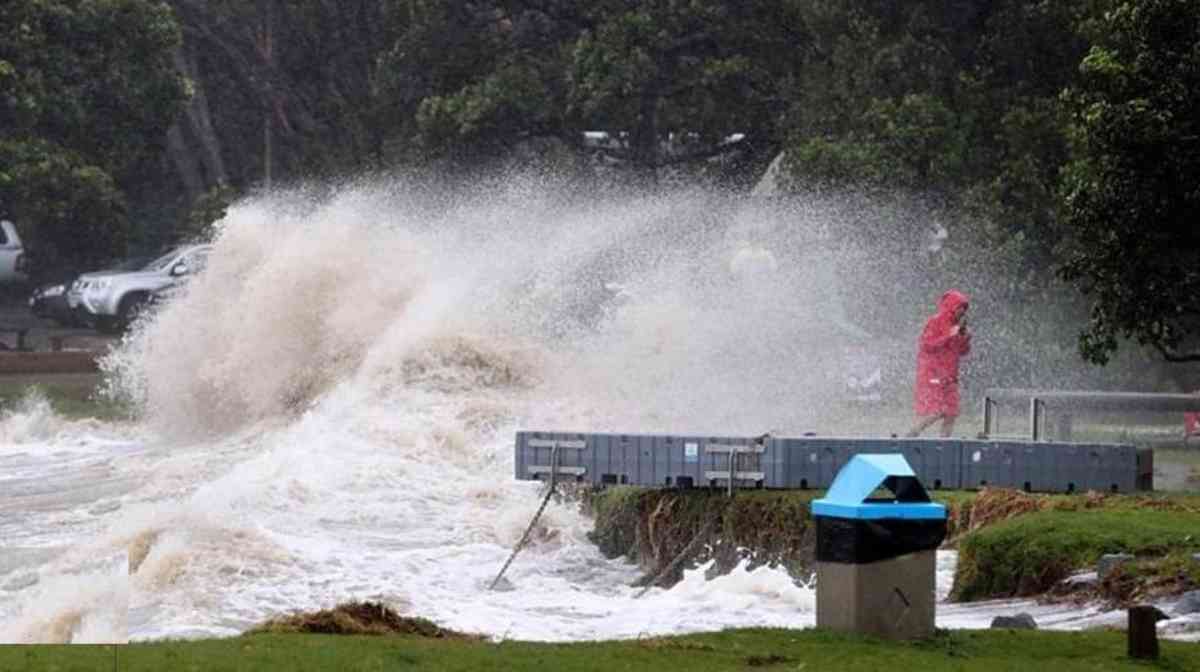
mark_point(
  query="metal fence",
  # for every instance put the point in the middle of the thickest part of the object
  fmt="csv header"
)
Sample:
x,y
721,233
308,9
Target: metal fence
x,y
1066,405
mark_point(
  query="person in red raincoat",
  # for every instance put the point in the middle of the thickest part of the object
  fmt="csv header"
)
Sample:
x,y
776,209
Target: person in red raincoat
x,y
944,341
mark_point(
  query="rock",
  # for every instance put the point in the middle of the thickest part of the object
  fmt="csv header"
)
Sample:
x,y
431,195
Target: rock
x,y
1189,603
1081,580
1111,561
1021,621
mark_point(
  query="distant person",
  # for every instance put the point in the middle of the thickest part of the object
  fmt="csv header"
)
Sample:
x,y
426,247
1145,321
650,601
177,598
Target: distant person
x,y
615,295
752,261
943,343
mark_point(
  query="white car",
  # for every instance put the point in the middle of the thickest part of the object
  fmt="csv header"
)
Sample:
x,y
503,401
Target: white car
x,y
12,254
111,300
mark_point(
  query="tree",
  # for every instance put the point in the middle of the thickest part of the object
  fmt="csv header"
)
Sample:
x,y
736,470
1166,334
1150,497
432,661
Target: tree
x,y
483,77
955,105
682,79
290,85
1132,191
946,115
96,77
70,210
87,91
669,81
957,99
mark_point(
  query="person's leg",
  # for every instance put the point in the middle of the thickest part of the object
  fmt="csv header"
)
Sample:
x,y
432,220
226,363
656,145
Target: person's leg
x,y
948,425
949,408
923,424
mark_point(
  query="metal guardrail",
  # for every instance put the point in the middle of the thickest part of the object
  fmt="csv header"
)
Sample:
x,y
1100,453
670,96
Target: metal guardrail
x,y
734,473
554,468
1077,400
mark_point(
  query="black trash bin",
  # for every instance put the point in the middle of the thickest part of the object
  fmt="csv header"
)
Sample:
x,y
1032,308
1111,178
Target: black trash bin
x,y
876,556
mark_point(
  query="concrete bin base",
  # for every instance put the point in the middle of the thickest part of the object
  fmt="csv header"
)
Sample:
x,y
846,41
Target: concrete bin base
x,y
893,599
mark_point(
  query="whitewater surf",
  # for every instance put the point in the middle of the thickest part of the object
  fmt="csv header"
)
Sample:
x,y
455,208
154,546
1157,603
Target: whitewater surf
x,y
327,414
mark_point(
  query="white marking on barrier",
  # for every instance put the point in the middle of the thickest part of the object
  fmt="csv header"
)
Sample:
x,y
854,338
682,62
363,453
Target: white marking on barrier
x,y
741,475
561,443
545,469
726,448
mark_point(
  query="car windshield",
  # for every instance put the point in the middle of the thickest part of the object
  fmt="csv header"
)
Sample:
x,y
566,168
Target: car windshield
x,y
132,264
162,262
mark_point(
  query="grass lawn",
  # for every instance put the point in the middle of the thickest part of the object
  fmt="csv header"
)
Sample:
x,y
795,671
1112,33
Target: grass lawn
x,y
71,395
987,650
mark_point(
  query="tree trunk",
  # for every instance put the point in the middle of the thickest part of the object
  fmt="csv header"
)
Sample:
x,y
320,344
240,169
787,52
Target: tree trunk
x,y
267,51
184,161
192,144
645,137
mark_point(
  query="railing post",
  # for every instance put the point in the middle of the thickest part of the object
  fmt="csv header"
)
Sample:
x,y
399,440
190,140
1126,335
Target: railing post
x,y
1142,631
990,416
736,454
1035,418
732,469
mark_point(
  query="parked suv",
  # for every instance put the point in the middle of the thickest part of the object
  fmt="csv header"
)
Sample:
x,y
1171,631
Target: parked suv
x,y
12,254
49,301
111,300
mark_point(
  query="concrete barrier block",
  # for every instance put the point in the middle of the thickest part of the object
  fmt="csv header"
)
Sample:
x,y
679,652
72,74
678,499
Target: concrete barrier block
x,y
990,463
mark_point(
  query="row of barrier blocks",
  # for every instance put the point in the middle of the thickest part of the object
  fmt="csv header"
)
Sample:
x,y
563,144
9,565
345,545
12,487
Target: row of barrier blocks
x,y
657,460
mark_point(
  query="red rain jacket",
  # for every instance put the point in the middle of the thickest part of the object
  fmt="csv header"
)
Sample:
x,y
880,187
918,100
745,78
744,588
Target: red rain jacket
x,y
938,352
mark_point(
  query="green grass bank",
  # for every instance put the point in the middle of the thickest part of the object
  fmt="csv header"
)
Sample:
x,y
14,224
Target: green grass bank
x,y
980,651
1031,552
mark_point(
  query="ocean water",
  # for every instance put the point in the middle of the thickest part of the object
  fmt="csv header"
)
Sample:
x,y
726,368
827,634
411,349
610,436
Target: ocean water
x,y
327,413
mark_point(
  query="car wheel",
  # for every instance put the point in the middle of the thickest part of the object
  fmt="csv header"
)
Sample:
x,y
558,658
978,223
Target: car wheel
x,y
129,310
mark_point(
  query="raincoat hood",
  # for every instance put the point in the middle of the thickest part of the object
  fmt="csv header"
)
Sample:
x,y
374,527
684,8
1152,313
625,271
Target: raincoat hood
x,y
950,302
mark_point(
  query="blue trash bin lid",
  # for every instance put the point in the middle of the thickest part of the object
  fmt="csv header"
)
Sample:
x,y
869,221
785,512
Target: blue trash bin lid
x,y
849,496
